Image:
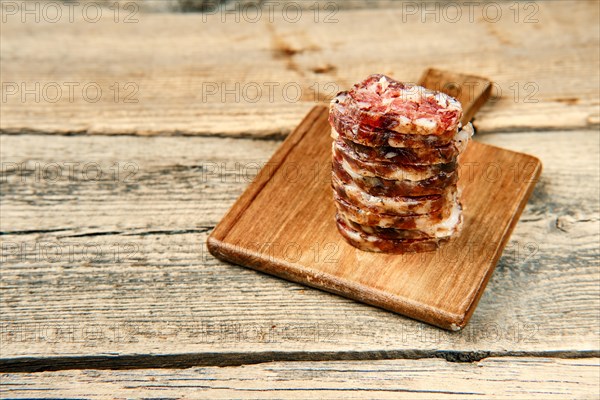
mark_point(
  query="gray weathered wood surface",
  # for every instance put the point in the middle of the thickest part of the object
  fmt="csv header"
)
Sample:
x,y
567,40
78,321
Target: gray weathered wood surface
x,y
112,271
175,71
498,378
163,290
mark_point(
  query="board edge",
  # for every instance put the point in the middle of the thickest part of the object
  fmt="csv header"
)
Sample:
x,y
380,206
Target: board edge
x,y
261,180
474,300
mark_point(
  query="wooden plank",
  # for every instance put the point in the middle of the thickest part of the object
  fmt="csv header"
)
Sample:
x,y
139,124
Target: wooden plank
x,y
175,83
275,230
152,288
492,378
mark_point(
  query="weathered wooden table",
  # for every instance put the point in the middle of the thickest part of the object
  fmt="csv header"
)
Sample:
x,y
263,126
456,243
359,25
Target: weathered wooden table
x,y
125,139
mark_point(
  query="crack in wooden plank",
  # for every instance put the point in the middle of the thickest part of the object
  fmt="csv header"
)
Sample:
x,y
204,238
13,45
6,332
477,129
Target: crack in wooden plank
x,y
143,233
202,229
33,231
182,361
270,135
262,135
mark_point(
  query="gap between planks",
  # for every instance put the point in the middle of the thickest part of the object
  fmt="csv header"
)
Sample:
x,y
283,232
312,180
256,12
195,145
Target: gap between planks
x,y
269,136
233,359
275,135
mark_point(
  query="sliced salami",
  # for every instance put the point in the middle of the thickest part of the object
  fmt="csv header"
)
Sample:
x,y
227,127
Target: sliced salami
x,y
410,155
390,170
442,223
376,186
365,217
375,243
348,127
395,175
382,102
393,205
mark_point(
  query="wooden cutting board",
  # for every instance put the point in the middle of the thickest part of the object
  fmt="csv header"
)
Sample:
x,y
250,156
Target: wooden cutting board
x,y
284,225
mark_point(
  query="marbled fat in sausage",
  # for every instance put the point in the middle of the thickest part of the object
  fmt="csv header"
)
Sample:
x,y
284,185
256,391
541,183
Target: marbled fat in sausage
x,y
395,177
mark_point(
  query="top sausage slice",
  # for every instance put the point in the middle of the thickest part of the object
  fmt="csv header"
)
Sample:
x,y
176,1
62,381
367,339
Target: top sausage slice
x,y
384,103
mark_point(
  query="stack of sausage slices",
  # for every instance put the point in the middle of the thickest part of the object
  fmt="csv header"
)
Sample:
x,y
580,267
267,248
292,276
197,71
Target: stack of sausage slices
x,y
395,165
